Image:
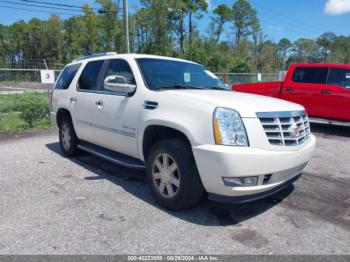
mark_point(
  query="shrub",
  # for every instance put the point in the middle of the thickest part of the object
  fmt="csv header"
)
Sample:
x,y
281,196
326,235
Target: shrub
x,y
34,108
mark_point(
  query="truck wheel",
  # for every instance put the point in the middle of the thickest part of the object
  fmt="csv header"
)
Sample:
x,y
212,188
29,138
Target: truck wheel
x,y
172,175
68,138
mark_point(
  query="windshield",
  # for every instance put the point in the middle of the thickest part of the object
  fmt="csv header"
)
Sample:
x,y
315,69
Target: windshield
x,y
168,74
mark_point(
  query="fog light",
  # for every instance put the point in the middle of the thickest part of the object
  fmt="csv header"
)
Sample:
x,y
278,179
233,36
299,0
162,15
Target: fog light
x,y
240,181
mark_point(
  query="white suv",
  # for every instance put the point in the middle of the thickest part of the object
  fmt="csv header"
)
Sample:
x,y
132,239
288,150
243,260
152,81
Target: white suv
x,y
181,123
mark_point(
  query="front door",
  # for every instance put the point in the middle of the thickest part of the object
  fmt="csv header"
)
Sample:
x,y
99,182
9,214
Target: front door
x,y
116,120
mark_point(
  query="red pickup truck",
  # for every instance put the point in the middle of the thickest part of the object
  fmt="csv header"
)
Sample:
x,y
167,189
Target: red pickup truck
x,y
323,89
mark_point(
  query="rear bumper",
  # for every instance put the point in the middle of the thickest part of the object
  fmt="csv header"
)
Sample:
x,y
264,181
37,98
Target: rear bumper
x,y
53,120
215,162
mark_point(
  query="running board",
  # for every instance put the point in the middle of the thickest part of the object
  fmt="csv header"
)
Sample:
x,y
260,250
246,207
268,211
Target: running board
x,y
111,156
328,121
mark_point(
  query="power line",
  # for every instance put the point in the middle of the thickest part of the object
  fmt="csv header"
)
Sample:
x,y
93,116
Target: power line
x,y
46,7
281,16
64,5
32,10
56,4
293,25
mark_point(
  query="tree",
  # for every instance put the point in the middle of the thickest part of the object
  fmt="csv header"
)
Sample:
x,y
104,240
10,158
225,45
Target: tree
x,y
195,7
159,23
91,29
325,42
284,45
222,15
109,19
244,17
54,38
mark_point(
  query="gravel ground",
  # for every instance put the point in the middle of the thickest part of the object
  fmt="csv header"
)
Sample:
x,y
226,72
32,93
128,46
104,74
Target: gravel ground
x,y
53,205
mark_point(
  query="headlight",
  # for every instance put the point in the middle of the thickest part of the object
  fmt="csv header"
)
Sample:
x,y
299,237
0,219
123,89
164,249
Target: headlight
x,y
228,128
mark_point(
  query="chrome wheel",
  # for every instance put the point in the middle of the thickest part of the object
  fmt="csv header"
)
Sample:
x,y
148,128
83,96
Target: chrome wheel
x,y
65,137
166,175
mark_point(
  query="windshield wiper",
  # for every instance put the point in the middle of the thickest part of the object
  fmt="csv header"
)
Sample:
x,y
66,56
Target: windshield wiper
x,y
215,88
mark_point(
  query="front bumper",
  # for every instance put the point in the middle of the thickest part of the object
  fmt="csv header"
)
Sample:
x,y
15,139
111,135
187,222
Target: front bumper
x,y
215,162
253,197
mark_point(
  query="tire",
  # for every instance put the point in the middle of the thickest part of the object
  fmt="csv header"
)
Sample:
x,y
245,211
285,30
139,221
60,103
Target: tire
x,y
68,138
173,189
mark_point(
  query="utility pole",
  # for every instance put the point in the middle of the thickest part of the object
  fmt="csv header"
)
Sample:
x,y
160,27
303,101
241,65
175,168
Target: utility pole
x,y
126,25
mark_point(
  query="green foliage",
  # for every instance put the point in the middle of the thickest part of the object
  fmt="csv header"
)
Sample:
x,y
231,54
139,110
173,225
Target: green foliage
x,y
33,107
245,20
12,123
233,40
22,111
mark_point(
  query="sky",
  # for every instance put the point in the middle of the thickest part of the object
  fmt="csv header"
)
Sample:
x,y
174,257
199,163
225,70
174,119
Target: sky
x,y
292,19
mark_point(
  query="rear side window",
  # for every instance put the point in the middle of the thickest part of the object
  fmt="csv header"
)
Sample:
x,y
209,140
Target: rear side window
x,y
339,77
89,79
312,75
67,76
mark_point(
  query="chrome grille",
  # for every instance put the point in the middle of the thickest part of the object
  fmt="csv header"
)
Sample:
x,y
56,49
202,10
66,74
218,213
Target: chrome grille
x,y
285,128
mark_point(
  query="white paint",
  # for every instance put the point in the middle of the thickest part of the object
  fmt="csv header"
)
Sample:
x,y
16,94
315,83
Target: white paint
x,y
259,77
47,76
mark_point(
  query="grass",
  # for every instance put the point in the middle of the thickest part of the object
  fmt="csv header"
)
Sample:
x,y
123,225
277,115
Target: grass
x,y
19,112
12,123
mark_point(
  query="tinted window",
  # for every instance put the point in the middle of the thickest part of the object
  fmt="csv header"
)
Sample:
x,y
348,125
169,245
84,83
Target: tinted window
x,y
119,67
169,74
313,75
339,77
67,76
89,78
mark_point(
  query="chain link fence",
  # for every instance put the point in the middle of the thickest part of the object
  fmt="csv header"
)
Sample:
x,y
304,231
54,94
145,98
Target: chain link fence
x,y
242,78
24,99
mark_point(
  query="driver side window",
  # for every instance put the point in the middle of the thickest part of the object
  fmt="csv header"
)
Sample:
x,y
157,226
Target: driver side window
x,y
121,70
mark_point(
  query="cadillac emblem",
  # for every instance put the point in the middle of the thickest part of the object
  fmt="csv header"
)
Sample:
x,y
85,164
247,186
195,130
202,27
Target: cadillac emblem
x,y
294,129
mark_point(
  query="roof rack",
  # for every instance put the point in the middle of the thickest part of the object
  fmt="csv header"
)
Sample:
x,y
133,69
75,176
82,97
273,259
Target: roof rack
x,y
96,55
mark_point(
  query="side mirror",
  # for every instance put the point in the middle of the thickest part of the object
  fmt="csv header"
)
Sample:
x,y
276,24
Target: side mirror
x,y
118,84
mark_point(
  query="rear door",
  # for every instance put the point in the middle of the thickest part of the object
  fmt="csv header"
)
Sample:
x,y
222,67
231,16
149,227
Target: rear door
x,y
334,98
83,102
303,85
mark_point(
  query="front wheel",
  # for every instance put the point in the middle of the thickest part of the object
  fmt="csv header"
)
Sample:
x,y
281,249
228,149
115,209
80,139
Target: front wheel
x,y
172,175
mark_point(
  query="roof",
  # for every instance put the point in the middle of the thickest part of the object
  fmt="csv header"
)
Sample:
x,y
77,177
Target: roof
x,y
321,65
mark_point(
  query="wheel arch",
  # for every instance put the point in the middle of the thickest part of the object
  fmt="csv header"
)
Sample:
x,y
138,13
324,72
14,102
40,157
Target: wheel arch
x,y
157,132
61,114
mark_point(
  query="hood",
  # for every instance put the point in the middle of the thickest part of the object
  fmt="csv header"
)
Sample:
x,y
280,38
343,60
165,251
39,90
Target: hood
x,y
246,104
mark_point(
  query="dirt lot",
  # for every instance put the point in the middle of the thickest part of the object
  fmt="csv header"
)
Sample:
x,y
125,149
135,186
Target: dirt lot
x,y
53,205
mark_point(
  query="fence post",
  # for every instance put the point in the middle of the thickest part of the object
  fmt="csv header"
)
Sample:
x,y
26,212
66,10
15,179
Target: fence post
x,y
225,76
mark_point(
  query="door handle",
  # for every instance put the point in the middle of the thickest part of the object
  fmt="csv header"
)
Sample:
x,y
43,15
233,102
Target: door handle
x,y
99,103
289,89
326,92
74,99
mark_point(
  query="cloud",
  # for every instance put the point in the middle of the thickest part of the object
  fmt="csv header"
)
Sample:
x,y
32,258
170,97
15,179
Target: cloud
x,y
209,4
337,7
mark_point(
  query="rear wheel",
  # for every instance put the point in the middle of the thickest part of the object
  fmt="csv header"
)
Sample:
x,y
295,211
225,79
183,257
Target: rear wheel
x,y
172,175
68,138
